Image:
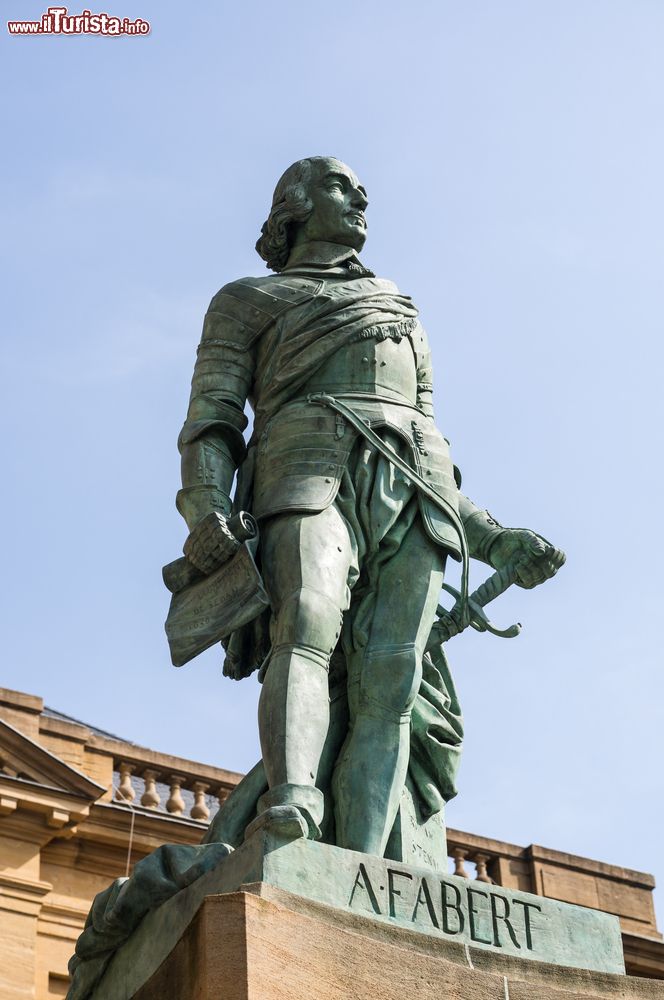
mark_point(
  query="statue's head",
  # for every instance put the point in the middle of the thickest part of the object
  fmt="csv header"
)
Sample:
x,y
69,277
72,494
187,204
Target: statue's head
x,y
319,198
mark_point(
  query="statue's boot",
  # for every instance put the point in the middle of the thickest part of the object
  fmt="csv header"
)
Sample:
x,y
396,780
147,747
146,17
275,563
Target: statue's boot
x,y
372,767
238,811
289,811
368,782
293,716
336,735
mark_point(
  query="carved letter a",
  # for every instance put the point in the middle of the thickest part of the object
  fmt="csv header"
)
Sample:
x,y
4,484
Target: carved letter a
x,y
362,881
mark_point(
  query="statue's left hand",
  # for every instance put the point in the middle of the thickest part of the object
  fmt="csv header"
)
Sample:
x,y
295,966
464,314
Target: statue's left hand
x,y
534,559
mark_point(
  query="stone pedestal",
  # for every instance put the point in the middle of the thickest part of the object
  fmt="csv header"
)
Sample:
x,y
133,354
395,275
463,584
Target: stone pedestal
x,y
283,919
267,944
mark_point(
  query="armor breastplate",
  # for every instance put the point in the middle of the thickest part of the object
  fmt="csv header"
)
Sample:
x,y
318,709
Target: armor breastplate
x,y
373,367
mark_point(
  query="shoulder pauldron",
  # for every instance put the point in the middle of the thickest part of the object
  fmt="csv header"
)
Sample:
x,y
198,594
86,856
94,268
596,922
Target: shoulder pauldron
x,y
242,310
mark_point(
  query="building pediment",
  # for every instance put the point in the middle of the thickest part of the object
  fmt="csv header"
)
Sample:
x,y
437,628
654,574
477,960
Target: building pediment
x,y
34,780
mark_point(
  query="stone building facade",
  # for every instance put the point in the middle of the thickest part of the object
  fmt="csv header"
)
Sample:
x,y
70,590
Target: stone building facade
x,y
79,807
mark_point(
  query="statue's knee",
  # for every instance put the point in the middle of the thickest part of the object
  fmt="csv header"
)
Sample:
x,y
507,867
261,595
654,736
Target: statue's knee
x,y
389,682
310,619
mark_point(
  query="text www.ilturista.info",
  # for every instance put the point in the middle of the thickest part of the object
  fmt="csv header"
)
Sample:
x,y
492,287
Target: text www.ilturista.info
x,y
57,21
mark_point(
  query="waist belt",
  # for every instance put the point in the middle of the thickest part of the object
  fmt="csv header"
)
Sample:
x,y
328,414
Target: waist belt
x,y
360,425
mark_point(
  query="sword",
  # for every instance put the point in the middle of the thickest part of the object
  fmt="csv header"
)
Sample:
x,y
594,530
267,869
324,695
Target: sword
x,y
448,625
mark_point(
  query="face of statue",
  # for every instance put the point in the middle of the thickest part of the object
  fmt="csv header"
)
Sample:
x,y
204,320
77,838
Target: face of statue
x,y
339,201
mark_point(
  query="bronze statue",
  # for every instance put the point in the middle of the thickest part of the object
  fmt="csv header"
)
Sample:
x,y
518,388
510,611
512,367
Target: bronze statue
x,y
358,507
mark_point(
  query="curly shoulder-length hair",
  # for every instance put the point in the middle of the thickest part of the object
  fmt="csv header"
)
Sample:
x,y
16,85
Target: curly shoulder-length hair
x,y
290,205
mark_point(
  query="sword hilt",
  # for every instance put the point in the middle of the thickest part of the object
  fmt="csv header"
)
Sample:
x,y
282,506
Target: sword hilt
x,y
448,623
494,586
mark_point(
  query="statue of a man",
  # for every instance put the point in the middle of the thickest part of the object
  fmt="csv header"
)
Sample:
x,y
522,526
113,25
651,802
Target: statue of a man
x,y
359,509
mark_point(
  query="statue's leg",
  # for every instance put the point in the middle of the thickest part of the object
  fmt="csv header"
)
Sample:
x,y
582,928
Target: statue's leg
x,y
336,734
384,679
306,559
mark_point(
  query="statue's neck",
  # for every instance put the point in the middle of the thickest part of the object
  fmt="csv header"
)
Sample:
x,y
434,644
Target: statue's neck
x,y
319,252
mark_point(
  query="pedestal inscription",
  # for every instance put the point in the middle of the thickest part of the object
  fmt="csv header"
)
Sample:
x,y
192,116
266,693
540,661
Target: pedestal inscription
x,y
474,913
489,917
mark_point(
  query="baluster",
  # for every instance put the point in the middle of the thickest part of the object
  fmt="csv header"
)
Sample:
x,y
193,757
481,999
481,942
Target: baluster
x,y
199,810
126,791
460,854
222,795
175,803
481,861
150,797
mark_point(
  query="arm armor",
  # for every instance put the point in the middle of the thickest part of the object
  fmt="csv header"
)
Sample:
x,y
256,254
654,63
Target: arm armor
x,y
211,442
482,530
424,371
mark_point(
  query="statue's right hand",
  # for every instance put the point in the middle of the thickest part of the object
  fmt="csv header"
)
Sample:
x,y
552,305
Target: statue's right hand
x,y
211,543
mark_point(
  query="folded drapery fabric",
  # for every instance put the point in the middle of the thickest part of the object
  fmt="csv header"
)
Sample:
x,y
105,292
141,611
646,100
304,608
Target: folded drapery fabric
x,y
118,911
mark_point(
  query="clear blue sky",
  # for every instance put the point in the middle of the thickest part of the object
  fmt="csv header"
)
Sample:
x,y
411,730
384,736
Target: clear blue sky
x,y
514,154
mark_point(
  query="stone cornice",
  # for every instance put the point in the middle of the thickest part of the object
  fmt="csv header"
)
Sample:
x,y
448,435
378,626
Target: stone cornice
x,y
14,885
132,753
74,731
24,756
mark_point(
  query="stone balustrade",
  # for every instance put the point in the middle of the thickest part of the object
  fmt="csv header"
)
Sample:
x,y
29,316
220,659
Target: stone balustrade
x,y
493,861
155,785
461,855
